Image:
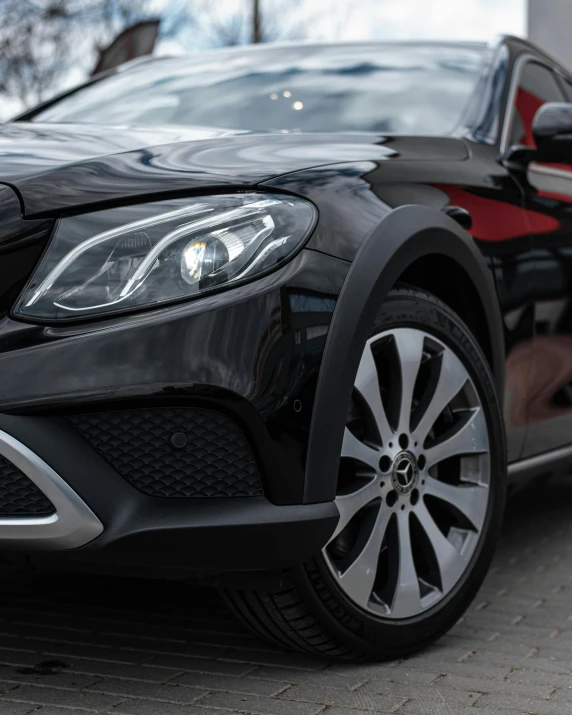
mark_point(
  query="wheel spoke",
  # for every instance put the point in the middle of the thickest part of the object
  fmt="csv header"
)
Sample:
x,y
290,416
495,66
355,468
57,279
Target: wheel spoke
x,y
470,438
470,501
433,412
452,378
349,504
359,578
407,598
451,562
409,344
367,384
356,449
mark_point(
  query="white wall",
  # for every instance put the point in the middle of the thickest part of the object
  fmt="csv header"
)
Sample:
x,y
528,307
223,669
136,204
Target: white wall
x,y
550,26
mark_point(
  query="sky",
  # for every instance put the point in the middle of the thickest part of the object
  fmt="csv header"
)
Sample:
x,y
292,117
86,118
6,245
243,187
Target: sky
x,y
438,19
401,19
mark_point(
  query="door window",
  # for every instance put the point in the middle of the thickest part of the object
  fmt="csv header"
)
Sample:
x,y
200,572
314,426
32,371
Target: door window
x,y
537,85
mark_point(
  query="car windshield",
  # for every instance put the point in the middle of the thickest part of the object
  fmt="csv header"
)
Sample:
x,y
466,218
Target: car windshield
x,y
404,89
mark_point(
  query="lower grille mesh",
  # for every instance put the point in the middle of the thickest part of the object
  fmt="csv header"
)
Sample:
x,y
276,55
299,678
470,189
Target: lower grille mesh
x,y
174,452
19,496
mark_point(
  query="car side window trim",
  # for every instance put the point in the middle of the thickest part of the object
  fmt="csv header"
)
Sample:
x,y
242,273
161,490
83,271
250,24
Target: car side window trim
x,y
519,66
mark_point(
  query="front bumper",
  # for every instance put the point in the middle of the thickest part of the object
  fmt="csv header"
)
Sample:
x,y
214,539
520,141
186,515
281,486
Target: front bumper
x,y
106,520
252,353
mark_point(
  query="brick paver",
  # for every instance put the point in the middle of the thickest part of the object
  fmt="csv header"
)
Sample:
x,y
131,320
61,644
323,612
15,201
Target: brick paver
x,y
80,644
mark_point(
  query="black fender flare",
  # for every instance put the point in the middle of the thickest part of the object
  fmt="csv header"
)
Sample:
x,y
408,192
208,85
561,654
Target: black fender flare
x,y
406,234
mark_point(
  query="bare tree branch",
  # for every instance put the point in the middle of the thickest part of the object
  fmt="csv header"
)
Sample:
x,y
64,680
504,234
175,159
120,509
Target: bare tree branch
x,y
41,39
225,23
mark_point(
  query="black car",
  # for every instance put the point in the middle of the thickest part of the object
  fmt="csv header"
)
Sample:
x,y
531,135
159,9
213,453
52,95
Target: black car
x,y
277,318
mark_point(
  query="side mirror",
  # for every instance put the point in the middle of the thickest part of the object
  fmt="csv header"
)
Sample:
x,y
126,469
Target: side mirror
x,y
552,131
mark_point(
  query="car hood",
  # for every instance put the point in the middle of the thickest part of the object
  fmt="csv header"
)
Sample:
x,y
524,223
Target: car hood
x,y
57,167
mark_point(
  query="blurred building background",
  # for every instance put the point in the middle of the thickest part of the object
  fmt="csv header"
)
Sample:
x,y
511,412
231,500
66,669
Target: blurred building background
x,y
49,45
550,25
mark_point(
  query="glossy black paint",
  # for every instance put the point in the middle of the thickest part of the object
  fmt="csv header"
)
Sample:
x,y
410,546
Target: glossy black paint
x,y
478,184
248,350
539,286
79,169
21,245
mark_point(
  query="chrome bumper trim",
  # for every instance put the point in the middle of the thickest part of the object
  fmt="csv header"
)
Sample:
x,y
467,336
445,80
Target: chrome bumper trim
x,y
73,524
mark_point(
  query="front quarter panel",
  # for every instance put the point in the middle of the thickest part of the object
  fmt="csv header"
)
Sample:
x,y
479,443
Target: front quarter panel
x,y
354,198
406,235
348,208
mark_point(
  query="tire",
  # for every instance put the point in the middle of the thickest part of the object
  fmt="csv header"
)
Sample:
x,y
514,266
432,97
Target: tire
x,y
408,517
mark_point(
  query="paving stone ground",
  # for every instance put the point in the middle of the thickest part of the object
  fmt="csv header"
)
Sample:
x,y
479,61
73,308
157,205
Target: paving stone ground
x,y
77,644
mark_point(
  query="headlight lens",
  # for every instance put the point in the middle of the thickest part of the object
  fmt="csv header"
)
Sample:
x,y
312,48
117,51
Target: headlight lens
x,y
147,254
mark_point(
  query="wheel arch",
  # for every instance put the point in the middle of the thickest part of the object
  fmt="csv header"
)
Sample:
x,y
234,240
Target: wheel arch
x,y
458,292
396,250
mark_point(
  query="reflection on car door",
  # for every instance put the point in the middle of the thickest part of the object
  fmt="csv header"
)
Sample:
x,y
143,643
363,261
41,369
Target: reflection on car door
x,y
547,190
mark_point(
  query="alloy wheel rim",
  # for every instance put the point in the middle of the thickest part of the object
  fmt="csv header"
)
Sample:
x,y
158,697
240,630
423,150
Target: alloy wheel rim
x,y
414,477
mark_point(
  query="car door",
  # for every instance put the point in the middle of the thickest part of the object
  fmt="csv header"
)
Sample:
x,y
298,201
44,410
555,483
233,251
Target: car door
x,y
547,197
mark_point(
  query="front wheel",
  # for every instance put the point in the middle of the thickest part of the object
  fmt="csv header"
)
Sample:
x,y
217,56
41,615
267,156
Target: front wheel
x,y
421,491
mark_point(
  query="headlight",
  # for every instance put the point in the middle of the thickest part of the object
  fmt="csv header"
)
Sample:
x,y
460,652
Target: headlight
x,y
151,253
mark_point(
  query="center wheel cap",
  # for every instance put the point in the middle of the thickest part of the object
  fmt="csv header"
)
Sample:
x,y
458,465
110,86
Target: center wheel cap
x,y
404,473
